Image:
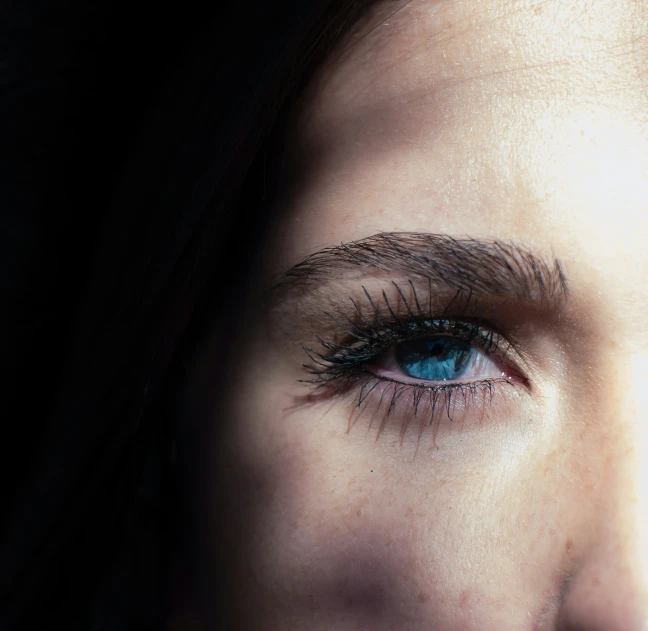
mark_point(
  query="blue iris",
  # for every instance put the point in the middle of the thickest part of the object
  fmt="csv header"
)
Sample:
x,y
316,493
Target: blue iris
x,y
434,358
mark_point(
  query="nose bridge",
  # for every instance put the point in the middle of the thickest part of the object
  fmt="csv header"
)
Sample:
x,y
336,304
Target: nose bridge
x,y
609,587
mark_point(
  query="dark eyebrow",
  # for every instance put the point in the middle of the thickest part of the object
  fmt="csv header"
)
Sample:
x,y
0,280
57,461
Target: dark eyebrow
x,y
470,265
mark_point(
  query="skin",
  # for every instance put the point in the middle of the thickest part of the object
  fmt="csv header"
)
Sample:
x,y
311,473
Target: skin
x,y
522,121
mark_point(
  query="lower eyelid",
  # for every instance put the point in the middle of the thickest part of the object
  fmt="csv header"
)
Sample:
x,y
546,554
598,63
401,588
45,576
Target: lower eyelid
x,y
385,404
408,381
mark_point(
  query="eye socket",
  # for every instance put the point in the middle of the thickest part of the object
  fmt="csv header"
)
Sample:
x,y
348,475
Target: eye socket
x,y
439,358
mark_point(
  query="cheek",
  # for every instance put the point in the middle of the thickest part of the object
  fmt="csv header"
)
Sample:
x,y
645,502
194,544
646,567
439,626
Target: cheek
x,y
332,529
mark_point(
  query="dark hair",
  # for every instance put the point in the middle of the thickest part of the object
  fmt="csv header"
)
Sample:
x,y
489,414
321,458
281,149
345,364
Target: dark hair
x,y
135,139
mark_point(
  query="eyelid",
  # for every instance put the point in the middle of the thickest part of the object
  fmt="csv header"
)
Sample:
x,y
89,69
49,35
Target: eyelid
x,y
490,340
365,334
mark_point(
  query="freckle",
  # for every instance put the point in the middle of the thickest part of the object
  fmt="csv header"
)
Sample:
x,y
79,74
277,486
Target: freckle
x,y
423,597
359,512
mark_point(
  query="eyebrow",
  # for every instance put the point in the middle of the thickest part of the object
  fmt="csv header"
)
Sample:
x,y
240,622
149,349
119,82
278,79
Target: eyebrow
x,y
471,265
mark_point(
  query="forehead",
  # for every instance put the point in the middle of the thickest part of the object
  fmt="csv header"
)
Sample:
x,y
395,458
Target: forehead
x,y
517,120
458,58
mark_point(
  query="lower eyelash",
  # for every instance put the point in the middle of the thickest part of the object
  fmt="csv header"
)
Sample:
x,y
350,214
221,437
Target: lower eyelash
x,y
430,405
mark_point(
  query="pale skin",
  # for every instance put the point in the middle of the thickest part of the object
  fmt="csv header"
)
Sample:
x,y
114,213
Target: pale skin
x,y
519,121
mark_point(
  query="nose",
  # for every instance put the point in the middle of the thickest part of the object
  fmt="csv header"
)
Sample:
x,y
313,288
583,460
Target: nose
x,y
608,588
607,594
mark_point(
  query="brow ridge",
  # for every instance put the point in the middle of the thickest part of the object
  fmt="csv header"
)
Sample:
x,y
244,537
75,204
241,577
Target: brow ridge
x,y
467,264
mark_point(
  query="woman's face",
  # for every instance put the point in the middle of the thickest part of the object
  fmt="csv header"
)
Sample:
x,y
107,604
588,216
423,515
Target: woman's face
x,y
472,452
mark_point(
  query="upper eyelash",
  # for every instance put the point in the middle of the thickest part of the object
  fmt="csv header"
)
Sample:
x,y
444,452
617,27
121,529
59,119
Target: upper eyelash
x,y
374,336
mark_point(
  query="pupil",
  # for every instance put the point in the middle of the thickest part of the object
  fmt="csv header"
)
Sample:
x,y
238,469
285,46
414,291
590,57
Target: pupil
x,y
433,359
438,350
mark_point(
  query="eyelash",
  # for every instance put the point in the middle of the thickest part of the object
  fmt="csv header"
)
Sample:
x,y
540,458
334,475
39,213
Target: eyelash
x,y
342,366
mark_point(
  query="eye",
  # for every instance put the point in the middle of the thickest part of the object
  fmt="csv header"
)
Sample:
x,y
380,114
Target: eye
x,y
439,358
410,363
